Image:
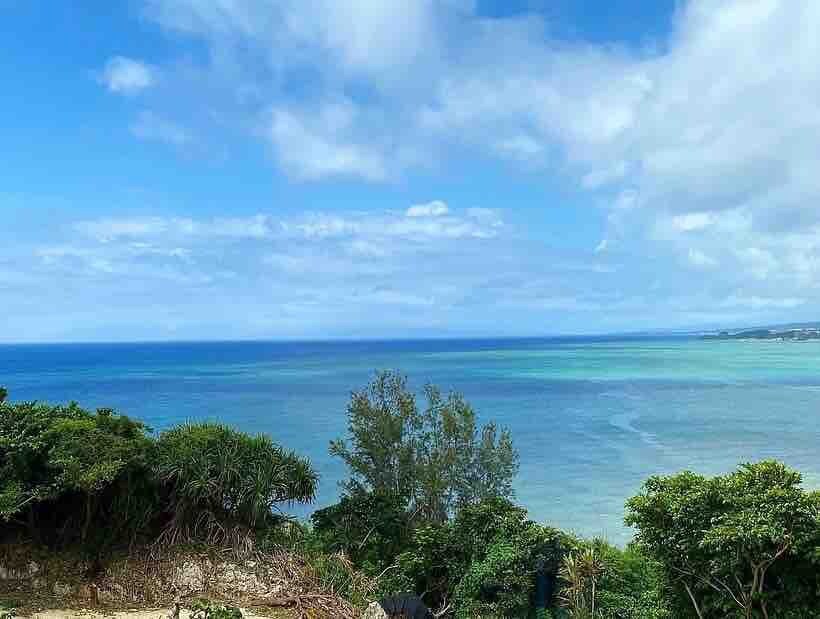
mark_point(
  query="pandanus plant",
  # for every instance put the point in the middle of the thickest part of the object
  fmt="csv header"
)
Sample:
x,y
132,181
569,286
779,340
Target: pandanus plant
x,y
221,485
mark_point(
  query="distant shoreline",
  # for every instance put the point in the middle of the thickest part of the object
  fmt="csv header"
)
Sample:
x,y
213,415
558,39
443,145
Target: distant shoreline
x,y
781,335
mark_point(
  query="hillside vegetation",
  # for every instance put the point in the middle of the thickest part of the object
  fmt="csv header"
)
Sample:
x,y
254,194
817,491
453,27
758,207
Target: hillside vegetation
x,y
428,507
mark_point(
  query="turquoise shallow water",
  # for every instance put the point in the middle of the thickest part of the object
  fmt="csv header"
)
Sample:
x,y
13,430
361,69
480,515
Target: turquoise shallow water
x,y
591,417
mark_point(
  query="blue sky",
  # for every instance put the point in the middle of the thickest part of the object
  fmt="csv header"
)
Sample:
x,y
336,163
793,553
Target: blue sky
x,y
186,169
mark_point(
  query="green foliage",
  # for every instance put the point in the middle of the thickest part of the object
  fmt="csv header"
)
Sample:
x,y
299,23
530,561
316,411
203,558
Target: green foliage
x,y
4,393
204,609
631,586
63,469
483,562
220,483
435,460
370,529
724,541
70,476
580,572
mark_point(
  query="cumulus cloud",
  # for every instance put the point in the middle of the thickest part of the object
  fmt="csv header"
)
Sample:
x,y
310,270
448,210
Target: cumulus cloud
x,y
127,76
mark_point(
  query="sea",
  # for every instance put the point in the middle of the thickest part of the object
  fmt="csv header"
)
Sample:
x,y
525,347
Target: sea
x,y
592,417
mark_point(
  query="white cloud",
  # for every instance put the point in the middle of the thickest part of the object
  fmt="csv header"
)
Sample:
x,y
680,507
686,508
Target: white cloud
x,y
312,145
363,229
110,228
430,209
759,262
691,222
699,259
150,126
757,303
127,76
701,149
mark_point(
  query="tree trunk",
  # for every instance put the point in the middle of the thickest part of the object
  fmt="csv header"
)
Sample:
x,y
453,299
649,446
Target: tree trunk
x,y
694,601
33,531
89,512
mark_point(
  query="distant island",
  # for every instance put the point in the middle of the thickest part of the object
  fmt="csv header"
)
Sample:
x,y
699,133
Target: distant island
x,y
798,334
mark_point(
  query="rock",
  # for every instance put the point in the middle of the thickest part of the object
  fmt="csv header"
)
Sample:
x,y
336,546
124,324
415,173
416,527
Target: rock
x,y
375,611
191,578
62,589
30,570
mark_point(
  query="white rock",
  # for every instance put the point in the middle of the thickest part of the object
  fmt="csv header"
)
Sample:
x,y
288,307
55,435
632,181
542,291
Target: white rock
x,y
375,611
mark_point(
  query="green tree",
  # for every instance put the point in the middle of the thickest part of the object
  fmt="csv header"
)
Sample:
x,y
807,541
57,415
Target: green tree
x,y
222,486
90,454
435,460
4,393
720,539
55,458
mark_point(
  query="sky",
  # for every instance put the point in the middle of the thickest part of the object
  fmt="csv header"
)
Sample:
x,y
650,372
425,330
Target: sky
x,y
229,169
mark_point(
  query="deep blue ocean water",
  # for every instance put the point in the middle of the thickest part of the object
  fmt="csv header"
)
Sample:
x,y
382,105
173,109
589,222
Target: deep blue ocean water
x,y
591,417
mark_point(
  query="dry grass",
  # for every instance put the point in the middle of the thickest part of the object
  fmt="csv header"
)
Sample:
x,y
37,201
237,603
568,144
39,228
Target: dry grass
x,y
281,584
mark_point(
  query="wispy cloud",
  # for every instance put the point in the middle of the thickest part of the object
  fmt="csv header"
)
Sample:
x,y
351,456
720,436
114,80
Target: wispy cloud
x,y
151,126
127,76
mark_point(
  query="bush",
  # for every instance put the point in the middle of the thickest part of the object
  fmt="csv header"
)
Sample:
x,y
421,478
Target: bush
x,y
222,486
484,561
69,475
204,609
98,480
370,529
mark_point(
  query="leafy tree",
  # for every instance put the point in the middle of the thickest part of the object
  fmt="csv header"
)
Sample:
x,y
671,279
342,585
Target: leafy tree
x,y
222,485
723,539
54,459
91,454
370,529
4,393
435,460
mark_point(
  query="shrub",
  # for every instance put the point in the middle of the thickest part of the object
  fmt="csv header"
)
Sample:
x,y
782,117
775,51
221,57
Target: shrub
x,y
65,470
484,561
370,529
204,609
223,486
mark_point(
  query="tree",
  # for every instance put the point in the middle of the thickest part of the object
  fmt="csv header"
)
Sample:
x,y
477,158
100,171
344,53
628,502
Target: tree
x,y
435,460
720,538
90,454
4,393
63,468
222,485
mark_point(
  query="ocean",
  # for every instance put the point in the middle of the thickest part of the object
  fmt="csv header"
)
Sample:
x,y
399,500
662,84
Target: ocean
x,y
592,418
